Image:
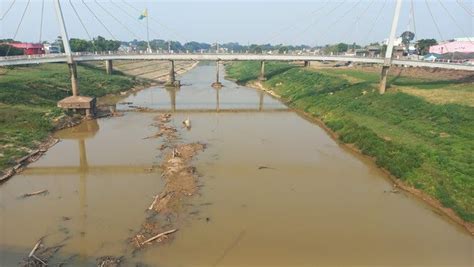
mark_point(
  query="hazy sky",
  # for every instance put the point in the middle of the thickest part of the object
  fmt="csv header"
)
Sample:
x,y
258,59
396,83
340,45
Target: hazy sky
x,y
289,22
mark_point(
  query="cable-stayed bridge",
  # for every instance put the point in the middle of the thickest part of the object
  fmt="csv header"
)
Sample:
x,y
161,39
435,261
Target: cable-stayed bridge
x,y
326,12
82,57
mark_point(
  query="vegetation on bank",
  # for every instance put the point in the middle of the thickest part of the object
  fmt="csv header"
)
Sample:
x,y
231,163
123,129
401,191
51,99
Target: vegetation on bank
x,y
428,146
28,97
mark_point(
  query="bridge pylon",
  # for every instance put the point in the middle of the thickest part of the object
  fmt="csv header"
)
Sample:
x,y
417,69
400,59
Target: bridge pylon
x,y
74,102
389,53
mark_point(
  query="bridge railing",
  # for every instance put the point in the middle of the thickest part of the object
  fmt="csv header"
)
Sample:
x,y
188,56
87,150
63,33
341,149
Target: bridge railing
x,y
335,56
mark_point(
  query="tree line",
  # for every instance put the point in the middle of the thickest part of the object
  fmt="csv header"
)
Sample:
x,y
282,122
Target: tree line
x,y
100,44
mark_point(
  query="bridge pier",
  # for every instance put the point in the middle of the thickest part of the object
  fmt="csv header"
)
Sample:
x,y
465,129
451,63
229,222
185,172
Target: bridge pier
x,y
76,102
172,82
383,79
262,71
217,84
307,63
109,67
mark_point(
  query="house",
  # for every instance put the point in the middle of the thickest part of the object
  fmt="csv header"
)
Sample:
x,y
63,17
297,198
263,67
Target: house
x,y
453,47
29,48
374,50
52,48
398,51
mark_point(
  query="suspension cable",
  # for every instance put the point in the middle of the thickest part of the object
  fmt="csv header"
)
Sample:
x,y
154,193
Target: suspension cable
x,y
131,16
80,20
436,24
379,14
100,21
292,25
358,18
412,14
117,20
339,19
157,22
455,21
41,22
468,11
8,10
314,23
19,26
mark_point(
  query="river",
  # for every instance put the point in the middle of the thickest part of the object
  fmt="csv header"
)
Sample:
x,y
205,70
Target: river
x,y
275,190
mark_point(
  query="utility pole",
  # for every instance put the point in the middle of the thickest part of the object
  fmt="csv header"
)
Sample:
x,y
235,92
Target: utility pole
x,y
388,54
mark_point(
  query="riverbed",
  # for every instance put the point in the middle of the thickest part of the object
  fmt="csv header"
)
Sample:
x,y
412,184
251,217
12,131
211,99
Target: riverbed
x,y
274,190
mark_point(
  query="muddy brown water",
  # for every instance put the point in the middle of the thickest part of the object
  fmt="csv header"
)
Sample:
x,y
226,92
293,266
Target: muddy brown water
x,y
315,204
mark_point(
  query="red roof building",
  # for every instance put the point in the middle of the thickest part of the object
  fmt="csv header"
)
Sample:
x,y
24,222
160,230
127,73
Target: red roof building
x,y
29,48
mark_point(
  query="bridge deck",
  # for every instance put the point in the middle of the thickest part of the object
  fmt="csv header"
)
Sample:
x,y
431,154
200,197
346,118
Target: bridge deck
x,y
27,60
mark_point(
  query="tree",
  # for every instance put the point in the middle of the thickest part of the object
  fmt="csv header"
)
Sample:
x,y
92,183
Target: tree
x,y
407,37
423,45
80,45
283,50
12,51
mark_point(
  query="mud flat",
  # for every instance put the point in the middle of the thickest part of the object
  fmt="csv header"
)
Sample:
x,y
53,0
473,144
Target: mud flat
x,y
180,179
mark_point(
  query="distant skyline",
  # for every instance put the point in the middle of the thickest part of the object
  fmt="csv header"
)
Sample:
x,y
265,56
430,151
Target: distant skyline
x,y
317,22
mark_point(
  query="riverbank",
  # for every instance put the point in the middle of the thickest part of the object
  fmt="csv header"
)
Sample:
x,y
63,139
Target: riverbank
x,y
28,112
426,147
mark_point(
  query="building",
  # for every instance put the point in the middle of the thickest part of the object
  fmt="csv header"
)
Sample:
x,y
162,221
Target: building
x,y
453,47
29,48
374,50
51,48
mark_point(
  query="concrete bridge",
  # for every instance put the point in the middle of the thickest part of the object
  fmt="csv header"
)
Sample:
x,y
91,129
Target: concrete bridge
x,y
81,57
88,104
79,102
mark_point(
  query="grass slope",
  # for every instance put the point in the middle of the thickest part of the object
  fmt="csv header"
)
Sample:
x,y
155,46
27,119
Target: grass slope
x,y
428,146
28,97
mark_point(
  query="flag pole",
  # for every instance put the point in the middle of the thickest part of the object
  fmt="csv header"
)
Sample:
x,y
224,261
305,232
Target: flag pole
x,y
148,32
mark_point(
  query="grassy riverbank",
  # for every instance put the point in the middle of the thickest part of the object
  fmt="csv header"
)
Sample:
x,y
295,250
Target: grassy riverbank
x,y
426,144
28,97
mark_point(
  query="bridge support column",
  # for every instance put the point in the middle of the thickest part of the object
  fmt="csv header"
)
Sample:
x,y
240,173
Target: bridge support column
x,y
74,84
74,102
109,67
172,82
388,53
262,71
307,63
383,79
217,84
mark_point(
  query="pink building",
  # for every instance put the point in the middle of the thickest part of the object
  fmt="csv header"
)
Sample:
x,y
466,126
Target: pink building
x,y
456,46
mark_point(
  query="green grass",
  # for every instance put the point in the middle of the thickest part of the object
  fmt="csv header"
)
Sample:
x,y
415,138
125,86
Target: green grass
x,y
426,145
28,97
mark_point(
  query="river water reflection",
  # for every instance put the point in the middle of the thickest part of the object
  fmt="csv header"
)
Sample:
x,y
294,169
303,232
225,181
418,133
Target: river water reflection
x,y
276,190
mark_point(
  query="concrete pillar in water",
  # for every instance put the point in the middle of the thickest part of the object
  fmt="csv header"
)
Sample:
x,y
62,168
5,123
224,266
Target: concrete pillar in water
x,y
109,67
260,103
307,63
262,71
217,84
218,108
172,82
